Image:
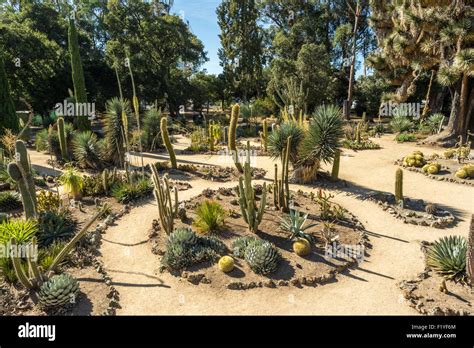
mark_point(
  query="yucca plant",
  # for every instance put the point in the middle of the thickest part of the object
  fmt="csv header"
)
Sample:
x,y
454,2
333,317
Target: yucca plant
x,y
86,150
116,131
72,181
294,225
320,143
278,138
433,122
151,129
447,257
210,216
126,192
400,123
22,230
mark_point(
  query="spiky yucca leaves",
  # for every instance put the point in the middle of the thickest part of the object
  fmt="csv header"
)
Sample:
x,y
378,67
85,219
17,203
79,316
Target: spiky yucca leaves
x,y
126,192
115,130
294,225
210,216
86,150
59,290
434,122
184,248
262,257
320,143
9,201
151,130
22,230
72,181
401,123
278,138
447,257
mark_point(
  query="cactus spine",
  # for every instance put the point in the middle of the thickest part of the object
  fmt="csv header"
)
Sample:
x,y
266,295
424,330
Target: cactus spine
x,y
399,185
62,139
335,165
234,117
167,142
264,135
167,210
20,171
251,214
281,191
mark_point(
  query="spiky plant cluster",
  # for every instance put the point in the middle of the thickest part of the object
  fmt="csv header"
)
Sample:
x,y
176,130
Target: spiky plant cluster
x,y
54,226
261,256
22,230
295,226
9,201
87,150
277,140
210,216
126,192
117,121
447,257
58,291
401,123
151,130
72,181
184,248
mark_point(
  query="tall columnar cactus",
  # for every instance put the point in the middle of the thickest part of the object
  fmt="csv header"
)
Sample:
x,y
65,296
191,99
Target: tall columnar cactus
x,y
62,139
250,212
108,179
20,171
470,253
167,142
167,210
234,117
264,135
214,134
357,135
281,187
399,185
335,165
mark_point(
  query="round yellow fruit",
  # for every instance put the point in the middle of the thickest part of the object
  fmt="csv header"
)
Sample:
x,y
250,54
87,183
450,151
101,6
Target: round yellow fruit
x,y
461,173
302,247
226,264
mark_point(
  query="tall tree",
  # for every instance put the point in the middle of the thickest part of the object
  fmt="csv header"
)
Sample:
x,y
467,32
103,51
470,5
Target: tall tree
x,y
417,38
8,117
241,55
80,94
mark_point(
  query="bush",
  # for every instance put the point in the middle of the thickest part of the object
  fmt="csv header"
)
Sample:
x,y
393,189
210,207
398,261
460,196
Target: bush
x,y
210,216
42,140
433,122
21,230
447,257
86,150
126,192
9,201
54,226
404,137
198,140
47,201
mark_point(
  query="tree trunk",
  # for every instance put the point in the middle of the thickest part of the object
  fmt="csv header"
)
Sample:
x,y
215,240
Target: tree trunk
x,y
352,72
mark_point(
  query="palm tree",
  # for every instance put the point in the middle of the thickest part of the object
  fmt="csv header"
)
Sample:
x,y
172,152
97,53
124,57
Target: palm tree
x,y
320,143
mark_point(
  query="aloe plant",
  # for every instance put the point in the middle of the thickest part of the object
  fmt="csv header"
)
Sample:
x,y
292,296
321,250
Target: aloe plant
x,y
294,225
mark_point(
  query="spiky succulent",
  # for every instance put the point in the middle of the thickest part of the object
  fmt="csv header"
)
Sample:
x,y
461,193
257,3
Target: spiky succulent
x,y
278,138
401,123
184,248
294,225
240,244
86,150
59,290
447,257
9,201
117,111
262,257
54,226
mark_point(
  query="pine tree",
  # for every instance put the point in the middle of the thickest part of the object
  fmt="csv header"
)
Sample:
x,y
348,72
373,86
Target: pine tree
x,y
8,117
80,95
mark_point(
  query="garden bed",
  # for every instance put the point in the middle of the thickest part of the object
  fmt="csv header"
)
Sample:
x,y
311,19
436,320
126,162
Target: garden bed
x,y
316,268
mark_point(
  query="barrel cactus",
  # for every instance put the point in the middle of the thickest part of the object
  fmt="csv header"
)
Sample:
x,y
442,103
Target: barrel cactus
x,y
59,290
262,257
302,247
415,159
431,168
226,264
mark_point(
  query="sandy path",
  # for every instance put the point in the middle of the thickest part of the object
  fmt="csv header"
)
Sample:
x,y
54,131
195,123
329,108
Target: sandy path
x,y
369,289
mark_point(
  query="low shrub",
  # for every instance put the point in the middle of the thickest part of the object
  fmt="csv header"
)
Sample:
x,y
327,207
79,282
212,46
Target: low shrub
x,y
405,137
126,192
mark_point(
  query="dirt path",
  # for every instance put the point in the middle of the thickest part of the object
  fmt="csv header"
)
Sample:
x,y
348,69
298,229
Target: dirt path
x,y
369,289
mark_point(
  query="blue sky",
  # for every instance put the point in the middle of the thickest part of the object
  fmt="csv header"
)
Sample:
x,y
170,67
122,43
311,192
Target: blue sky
x,y
202,18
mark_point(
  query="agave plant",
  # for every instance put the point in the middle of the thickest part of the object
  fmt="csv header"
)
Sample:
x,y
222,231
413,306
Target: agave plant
x,y
434,122
72,181
86,150
116,130
447,257
295,226
320,143
151,129
278,138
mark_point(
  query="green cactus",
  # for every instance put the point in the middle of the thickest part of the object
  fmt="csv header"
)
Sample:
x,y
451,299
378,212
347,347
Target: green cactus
x,y
281,187
399,185
234,117
264,135
167,210
335,165
357,135
62,139
214,134
251,214
59,290
262,257
167,142
20,171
